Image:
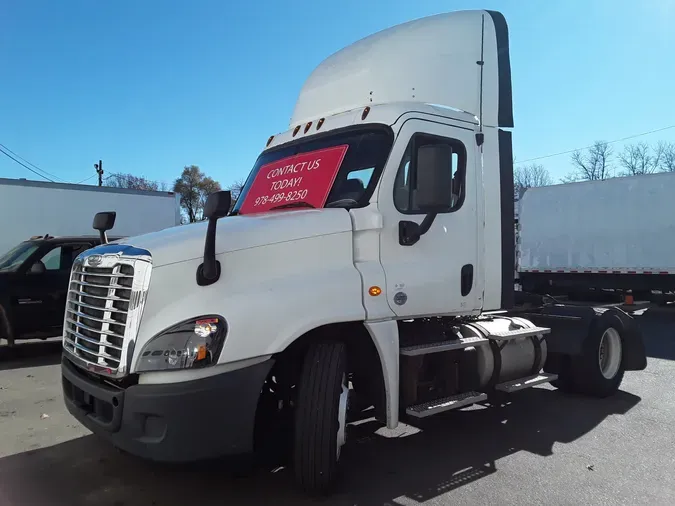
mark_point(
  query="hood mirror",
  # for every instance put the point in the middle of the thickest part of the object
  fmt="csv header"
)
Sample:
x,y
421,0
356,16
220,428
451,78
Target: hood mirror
x,y
103,222
217,206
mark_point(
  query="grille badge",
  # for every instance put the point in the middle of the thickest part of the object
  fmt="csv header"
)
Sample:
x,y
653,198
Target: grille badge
x,y
94,260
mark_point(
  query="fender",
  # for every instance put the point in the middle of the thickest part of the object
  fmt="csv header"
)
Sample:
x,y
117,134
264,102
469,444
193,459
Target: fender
x,y
385,336
571,325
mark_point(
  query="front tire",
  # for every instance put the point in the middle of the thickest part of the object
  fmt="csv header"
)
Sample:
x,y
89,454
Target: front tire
x,y
320,422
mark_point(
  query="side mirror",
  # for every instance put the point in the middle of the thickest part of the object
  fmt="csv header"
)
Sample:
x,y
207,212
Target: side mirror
x,y
217,206
433,192
103,222
37,268
434,178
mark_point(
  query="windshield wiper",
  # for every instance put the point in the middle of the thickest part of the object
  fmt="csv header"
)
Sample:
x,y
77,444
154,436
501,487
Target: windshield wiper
x,y
300,203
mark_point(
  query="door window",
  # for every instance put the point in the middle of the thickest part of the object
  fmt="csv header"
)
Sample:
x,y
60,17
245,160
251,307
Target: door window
x,y
52,259
405,184
61,258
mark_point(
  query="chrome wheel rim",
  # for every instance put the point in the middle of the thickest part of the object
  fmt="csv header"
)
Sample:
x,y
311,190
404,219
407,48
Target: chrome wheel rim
x,y
609,354
342,416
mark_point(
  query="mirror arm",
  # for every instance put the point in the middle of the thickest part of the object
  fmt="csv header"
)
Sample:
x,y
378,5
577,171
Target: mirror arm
x,y
104,237
409,232
218,205
427,222
209,271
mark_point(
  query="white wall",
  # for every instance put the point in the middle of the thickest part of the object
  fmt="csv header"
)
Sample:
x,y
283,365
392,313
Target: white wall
x,y
38,209
625,223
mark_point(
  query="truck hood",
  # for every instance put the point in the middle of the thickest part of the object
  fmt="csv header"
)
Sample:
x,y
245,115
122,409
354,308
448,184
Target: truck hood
x,y
186,242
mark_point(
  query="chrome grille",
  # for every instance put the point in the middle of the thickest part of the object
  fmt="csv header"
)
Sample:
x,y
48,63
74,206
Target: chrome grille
x,y
103,309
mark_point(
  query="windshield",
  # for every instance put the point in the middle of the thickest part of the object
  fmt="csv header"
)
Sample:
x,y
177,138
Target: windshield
x,y
17,256
335,170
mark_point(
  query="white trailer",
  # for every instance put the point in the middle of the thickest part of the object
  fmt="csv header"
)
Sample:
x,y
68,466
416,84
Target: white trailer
x,y
616,234
32,208
369,261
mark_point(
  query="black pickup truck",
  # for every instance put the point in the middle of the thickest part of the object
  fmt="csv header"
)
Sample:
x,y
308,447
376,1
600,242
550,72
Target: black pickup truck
x,y
34,284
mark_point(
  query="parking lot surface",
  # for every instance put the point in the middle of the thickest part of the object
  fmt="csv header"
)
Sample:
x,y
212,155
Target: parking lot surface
x,y
542,447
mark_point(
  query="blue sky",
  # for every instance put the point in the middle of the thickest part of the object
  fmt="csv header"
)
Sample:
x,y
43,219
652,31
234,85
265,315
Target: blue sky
x,y
152,86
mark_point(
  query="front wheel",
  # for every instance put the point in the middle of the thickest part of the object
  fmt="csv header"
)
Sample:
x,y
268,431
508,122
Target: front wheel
x,y
321,416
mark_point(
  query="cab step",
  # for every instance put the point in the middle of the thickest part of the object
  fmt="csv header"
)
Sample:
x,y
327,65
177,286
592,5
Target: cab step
x,y
507,335
445,404
441,346
527,382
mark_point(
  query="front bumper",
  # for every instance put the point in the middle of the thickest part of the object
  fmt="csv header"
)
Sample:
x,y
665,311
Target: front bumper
x,y
175,422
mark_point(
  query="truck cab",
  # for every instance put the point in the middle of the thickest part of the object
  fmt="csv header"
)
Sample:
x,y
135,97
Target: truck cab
x,y
34,283
368,262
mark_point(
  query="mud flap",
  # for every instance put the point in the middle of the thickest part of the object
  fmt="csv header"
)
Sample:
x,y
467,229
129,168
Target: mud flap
x,y
634,354
571,325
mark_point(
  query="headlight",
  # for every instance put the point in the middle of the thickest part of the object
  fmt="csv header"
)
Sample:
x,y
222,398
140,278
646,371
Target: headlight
x,y
192,344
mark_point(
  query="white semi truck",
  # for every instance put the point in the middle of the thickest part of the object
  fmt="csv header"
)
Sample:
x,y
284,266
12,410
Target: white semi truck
x,y
584,238
368,262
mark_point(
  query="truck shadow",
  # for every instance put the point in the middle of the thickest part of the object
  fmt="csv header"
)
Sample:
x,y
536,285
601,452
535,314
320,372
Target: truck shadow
x,y
420,463
30,354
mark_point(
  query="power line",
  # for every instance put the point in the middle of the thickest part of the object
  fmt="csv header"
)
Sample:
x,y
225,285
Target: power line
x,y
587,147
86,179
25,166
30,163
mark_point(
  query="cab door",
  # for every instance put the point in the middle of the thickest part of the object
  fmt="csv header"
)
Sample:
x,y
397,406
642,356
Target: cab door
x,y
40,293
440,273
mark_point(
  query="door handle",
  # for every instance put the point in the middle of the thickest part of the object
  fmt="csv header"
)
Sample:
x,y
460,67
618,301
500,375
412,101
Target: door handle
x,y
466,279
29,301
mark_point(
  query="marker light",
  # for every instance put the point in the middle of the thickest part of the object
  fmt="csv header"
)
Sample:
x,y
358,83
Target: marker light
x,y
374,291
320,123
194,343
296,130
308,126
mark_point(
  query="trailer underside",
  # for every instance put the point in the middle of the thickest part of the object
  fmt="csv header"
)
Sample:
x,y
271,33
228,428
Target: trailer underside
x,y
656,287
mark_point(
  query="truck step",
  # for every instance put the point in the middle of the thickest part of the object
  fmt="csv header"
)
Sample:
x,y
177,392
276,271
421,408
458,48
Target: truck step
x,y
438,347
445,404
507,335
527,382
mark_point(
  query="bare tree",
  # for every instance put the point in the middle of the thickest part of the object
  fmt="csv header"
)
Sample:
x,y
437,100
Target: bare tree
x,y
529,176
592,165
641,158
667,163
236,189
119,180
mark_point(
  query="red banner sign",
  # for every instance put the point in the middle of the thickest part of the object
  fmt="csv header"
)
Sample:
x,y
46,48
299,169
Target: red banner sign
x,y
306,177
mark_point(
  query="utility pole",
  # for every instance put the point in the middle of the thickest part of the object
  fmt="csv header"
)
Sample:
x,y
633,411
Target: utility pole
x,y
99,170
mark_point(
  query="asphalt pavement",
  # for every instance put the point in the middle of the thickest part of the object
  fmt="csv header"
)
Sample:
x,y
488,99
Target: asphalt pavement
x,y
542,447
